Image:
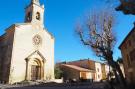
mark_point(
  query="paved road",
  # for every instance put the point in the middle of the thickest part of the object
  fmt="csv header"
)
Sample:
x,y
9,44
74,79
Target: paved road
x,y
75,87
63,86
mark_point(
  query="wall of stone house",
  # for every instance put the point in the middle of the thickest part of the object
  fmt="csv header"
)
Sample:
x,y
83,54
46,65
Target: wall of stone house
x,y
125,62
126,49
132,56
6,53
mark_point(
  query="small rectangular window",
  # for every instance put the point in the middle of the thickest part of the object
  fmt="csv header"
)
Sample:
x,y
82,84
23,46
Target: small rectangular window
x,y
133,36
132,55
125,45
128,60
129,42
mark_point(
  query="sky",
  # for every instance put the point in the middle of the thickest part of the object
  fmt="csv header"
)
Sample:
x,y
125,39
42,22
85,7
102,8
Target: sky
x,y
61,17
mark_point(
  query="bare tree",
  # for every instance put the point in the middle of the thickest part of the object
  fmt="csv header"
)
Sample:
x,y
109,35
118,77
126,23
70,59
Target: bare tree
x,y
98,34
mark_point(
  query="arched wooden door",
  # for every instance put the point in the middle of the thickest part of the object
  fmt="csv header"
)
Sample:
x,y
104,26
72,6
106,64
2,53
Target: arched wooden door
x,y
35,70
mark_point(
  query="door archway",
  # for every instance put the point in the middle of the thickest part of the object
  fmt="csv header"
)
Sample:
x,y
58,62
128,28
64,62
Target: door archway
x,y
35,66
35,70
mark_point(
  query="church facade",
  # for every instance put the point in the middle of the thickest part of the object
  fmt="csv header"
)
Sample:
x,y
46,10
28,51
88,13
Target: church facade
x,y
27,49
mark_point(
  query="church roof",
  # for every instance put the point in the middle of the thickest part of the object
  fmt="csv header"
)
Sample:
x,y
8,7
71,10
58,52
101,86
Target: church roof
x,y
17,24
22,24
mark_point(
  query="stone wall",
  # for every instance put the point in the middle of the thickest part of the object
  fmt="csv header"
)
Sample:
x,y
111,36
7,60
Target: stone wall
x,y
6,44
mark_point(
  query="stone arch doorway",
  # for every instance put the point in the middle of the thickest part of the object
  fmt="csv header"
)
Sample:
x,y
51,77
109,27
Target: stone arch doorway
x,y
35,70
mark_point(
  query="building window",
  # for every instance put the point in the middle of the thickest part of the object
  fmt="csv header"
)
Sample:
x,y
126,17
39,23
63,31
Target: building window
x,y
29,15
132,55
97,69
125,45
131,77
133,36
129,43
38,16
98,76
128,61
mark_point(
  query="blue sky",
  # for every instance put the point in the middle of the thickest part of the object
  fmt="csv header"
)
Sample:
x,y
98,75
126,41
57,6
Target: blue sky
x,y
61,17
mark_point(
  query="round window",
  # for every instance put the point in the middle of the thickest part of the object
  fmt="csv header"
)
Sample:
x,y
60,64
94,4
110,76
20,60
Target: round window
x,y
37,39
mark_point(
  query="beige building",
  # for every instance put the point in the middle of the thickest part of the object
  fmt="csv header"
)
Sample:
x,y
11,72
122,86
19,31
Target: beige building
x,y
95,70
27,49
104,71
98,74
127,48
76,72
86,63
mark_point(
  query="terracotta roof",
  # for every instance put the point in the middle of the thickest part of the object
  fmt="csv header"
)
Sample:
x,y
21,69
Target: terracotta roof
x,y
83,60
77,68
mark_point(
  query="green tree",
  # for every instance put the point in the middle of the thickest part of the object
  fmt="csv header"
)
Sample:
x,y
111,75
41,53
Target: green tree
x,y
58,72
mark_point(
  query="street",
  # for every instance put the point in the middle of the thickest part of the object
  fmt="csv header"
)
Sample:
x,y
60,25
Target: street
x,y
64,86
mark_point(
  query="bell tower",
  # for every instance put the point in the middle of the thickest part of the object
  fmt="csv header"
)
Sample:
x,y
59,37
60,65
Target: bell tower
x,y
35,1
34,13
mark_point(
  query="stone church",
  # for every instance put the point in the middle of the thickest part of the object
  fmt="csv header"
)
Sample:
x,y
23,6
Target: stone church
x,y
27,49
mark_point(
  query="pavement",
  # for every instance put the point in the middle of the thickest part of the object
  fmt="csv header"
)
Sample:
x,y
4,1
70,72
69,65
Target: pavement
x,y
58,86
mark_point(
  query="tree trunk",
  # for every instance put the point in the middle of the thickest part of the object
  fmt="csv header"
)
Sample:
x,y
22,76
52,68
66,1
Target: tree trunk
x,y
116,75
120,73
117,71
